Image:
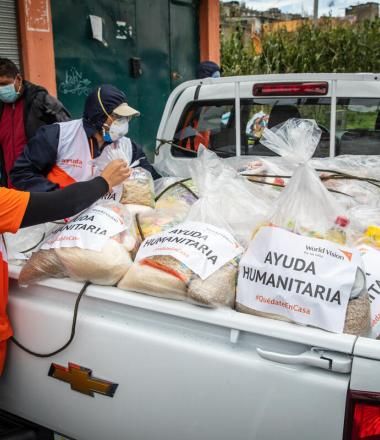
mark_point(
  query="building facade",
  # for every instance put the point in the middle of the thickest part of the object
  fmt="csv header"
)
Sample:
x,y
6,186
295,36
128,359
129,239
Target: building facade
x,y
144,47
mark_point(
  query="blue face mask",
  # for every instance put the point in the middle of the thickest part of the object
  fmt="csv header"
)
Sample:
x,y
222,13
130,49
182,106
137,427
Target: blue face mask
x,y
8,93
106,136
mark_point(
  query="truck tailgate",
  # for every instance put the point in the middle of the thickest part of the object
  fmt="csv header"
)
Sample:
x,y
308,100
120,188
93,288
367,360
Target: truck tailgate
x,y
182,371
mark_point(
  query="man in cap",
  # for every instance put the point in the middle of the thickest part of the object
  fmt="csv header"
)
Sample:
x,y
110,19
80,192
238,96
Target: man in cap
x,y
60,154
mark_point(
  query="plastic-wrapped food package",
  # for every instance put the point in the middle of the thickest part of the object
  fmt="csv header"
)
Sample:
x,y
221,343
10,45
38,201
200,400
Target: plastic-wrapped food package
x,y
206,242
158,220
161,275
298,265
358,165
171,192
356,176
138,189
42,264
226,199
216,290
95,246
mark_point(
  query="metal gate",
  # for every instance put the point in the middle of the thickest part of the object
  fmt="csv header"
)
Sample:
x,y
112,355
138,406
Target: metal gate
x,y
9,44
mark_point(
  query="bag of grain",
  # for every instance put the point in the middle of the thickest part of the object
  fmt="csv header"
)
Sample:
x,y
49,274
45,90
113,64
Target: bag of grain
x,y
138,190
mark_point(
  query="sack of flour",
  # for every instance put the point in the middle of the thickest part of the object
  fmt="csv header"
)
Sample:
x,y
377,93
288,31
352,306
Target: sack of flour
x,y
95,246
138,190
298,266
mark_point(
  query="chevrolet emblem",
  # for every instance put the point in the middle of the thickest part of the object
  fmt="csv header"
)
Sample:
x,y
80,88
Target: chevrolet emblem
x,y
81,379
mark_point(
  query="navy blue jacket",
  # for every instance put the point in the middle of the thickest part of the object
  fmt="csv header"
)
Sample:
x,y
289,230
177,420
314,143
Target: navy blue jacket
x,y
40,155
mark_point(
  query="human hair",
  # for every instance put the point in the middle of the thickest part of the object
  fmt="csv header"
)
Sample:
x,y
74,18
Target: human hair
x,y
8,68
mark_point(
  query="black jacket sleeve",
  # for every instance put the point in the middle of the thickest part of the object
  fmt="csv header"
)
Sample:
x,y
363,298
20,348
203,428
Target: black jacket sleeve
x,y
144,163
54,110
56,205
39,156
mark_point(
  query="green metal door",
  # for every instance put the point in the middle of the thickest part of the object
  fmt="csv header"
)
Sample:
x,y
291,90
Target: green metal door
x,y
161,36
184,40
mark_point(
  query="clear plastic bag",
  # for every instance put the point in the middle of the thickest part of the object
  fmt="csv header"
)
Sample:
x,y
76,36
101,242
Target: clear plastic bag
x,y
172,192
305,207
42,264
138,189
226,201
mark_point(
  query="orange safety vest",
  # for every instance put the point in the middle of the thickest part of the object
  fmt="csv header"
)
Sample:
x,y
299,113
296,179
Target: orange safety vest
x,y
201,137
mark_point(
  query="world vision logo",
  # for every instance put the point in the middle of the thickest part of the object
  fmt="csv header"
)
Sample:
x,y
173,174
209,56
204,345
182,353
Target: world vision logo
x,y
347,254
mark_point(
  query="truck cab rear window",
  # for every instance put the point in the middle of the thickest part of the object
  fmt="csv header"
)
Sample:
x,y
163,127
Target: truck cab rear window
x,y
358,126
213,124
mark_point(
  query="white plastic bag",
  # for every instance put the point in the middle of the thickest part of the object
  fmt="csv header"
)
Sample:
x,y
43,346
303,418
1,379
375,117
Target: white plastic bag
x,y
25,241
227,203
304,207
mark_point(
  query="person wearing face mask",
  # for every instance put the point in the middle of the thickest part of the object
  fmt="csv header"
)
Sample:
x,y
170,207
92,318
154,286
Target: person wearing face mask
x,y
61,154
24,107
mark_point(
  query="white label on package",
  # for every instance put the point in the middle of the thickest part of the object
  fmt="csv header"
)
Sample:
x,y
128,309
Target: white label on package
x,y
114,195
306,279
371,260
203,248
90,230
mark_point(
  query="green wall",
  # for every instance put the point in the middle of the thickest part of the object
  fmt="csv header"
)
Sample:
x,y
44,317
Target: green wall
x,y
163,34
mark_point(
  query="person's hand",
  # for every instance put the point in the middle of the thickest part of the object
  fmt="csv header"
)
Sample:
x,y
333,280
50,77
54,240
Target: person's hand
x,y
116,172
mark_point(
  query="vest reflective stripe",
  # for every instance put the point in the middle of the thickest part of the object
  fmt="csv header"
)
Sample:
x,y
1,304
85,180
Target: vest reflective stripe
x,y
73,155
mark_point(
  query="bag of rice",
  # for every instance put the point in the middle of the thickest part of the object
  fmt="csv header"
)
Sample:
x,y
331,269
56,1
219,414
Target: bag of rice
x,y
297,266
138,189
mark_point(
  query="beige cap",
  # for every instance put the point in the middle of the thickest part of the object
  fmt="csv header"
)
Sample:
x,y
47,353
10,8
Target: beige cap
x,y
124,110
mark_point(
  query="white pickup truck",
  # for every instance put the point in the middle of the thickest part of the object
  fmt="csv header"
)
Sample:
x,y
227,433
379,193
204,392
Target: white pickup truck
x,y
144,368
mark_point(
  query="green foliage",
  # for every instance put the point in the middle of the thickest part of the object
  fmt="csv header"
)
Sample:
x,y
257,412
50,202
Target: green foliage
x,y
329,46
237,58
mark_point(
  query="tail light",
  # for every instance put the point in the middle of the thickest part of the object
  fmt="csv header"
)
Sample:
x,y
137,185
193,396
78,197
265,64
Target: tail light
x,y
362,416
291,89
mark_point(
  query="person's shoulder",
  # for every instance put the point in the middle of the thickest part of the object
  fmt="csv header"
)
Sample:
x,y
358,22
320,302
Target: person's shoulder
x,y
46,102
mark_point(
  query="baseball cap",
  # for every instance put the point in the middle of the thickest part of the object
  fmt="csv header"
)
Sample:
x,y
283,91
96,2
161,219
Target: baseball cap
x,y
102,102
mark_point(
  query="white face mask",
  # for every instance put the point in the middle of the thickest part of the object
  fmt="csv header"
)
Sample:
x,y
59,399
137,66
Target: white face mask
x,y
117,130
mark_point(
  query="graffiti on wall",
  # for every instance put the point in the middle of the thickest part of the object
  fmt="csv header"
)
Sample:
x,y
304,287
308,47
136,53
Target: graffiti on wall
x,y
74,83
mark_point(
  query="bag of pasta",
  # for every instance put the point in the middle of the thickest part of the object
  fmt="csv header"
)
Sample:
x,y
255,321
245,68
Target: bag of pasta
x,y
298,266
138,190
95,246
